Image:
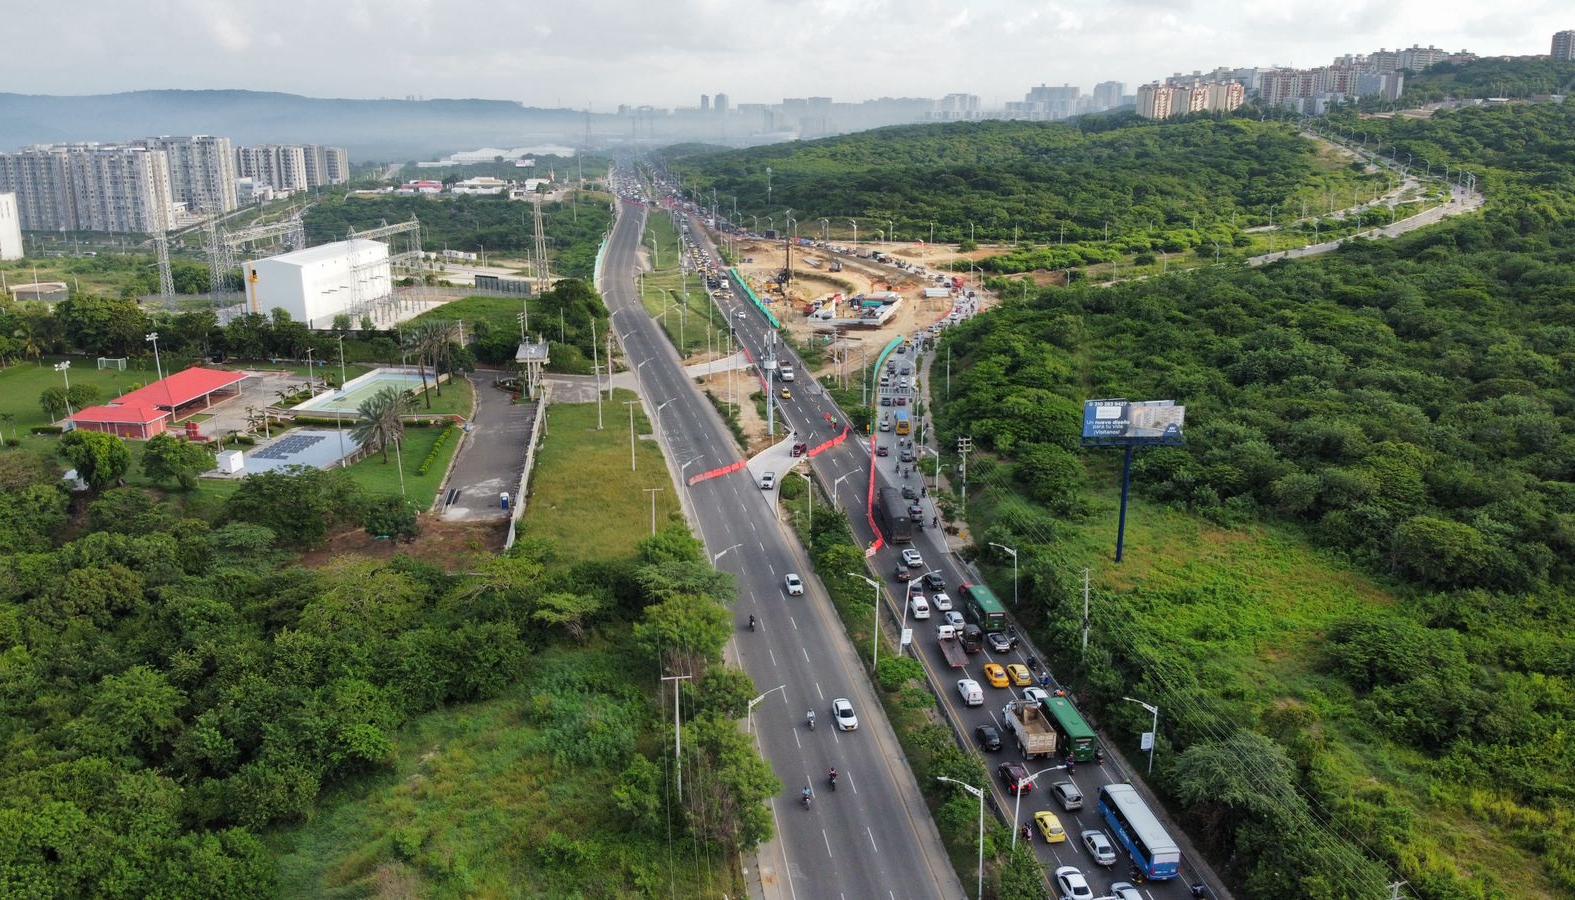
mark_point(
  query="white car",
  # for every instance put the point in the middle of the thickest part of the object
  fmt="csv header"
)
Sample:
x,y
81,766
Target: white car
x,y
954,618
842,714
795,585
1071,884
941,601
912,559
1038,695
972,694
740,314
918,607
1099,847
1125,890
768,481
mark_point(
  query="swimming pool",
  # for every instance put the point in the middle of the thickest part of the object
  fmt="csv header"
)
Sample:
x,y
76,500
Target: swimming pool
x,y
355,391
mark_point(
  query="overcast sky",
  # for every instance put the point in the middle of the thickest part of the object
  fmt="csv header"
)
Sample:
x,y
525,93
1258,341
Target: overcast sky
x,y
667,52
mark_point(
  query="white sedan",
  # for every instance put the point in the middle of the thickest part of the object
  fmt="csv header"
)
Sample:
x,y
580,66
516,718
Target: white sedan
x,y
842,713
795,584
941,601
912,559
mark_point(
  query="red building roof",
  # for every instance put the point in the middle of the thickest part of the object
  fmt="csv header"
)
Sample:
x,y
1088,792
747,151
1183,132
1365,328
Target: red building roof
x,y
120,415
181,388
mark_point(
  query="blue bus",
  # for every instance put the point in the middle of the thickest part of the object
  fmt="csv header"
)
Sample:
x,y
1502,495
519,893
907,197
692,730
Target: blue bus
x,y
1135,828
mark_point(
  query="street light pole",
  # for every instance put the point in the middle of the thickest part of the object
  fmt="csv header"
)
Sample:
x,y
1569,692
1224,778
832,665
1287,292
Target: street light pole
x,y
749,711
653,492
631,404
64,368
1013,554
809,488
1153,740
875,641
1018,805
158,367
979,890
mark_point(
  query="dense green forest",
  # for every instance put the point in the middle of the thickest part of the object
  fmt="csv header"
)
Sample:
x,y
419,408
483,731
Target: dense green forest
x,y
1515,78
173,690
1051,182
574,229
1406,405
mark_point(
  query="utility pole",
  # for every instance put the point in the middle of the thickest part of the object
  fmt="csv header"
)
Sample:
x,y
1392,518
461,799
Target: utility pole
x,y
678,767
964,447
653,492
631,404
1085,612
948,371
596,372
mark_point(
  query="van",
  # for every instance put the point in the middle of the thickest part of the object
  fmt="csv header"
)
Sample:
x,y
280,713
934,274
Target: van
x,y
919,607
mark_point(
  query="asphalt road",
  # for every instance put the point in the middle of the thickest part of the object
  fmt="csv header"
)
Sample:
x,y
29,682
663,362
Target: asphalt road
x,y
873,836
845,472
492,457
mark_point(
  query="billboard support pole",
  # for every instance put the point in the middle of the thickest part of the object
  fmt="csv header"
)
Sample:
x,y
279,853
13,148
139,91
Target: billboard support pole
x,y
1126,490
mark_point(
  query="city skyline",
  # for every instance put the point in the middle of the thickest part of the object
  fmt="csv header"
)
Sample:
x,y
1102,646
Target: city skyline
x,y
991,49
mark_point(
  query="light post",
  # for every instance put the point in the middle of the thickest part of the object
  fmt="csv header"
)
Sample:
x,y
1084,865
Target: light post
x,y
158,367
749,711
825,231
1013,554
64,368
875,641
1153,738
341,361
631,405
1018,805
979,891
835,485
809,488
717,558
855,224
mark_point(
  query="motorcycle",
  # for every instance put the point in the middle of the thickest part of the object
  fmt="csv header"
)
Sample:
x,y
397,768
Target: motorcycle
x,y
807,797
811,721
751,623
832,779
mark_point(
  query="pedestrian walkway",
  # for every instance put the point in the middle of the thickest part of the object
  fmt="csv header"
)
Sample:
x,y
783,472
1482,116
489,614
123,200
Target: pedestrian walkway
x,y
491,458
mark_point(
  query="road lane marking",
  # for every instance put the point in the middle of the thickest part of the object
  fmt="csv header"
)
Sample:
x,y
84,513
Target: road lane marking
x,y
872,838
794,621
819,691
849,777
805,652
828,843
773,655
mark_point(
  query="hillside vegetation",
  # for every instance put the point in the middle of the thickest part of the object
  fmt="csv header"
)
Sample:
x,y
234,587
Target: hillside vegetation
x,y
1049,181
1514,78
1401,408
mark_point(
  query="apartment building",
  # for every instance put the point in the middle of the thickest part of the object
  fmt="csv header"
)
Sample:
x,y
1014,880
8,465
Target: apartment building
x,y
326,165
1107,95
1564,46
10,228
281,167
1161,101
202,171
957,108
90,187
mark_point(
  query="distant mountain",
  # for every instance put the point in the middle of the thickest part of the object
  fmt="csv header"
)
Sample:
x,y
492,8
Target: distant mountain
x,y
396,130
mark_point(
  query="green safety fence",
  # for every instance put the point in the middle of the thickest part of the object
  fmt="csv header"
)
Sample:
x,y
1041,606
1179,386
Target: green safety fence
x,y
880,363
744,286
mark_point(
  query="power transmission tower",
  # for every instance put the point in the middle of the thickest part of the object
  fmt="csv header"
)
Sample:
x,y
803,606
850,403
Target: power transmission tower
x,y
161,243
539,253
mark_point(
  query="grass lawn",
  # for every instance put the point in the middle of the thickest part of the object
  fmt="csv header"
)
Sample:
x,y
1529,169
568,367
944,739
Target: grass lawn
x,y
498,312
456,399
377,477
583,497
663,296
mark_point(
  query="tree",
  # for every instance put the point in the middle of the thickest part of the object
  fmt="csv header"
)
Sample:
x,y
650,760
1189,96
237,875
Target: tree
x,y
390,517
100,459
56,401
135,712
170,458
685,627
568,611
379,423
299,504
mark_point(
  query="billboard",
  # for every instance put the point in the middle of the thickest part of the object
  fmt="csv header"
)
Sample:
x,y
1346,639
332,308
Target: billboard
x,y
1128,423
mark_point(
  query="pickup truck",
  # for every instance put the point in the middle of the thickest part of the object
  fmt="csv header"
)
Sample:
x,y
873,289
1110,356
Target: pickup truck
x,y
951,647
1026,721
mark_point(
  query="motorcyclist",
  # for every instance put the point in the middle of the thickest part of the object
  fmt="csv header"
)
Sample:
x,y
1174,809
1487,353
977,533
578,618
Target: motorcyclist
x,y
1028,833
811,718
808,795
751,623
832,778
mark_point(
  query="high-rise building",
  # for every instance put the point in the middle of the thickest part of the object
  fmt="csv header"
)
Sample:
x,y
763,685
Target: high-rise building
x,y
1564,46
1157,101
956,108
1161,101
202,171
281,167
42,183
90,187
1416,57
326,165
705,103
1107,95
1045,102
721,105
10,228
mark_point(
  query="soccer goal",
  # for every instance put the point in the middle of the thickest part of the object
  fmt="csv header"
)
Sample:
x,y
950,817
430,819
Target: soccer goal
x,y
112,362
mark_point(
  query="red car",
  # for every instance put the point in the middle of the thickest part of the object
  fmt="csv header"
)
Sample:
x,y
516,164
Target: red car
x,y
1012,773
882,450
800,448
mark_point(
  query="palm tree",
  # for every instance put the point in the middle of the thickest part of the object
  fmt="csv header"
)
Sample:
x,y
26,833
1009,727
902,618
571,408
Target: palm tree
x,y
379,424
414,344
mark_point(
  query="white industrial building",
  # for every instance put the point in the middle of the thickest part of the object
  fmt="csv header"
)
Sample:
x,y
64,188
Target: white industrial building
x,y
318,283
10,228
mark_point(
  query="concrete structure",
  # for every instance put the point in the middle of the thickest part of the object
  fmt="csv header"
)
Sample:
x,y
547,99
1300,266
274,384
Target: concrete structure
x,y
202,171
10,228
957,108
1416,58
720,106
1107,95
1157,101
318,283
480,185
326,165
149,411
420,187
279,166
89,187
1564,46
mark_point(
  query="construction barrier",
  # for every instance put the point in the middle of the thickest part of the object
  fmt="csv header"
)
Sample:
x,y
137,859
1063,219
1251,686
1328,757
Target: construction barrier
x,y
744,286
717,473
869,510
834,442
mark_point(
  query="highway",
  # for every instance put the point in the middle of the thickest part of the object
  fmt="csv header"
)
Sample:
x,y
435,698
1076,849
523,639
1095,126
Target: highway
x,y
844,471
873,835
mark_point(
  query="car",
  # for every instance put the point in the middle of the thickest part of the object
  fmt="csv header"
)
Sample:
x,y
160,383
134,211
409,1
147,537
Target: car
x,y
1067,794
1012,774
934,581
795,584
916,513
885,424
901,572
1072,885
953,618
882,450
885,381
919,607
912,559
1099,847
970,691
800,448
1000,641
904,371
942,601
1036,694
842,713
995,673
908,493
902,401
885,401
1020,674
1125,890
1050,826
907,453
988,736
768,481
740,314
786,374
786,393
902,348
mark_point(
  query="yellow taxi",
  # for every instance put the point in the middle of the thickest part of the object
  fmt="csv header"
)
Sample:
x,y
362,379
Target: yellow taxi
x,y
1050,826
995,674
786,393
1020,675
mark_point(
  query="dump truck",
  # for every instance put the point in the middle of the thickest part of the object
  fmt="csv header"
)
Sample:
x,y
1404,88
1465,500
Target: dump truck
x,y
1026,720
951,647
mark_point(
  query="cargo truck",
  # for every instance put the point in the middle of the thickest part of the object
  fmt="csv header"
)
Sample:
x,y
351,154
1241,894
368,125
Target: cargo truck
x,y
1026,720
936,293
951,646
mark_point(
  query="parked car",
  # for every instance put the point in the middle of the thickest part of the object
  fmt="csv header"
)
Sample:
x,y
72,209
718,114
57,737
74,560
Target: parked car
x,y
794,584
1099,847
842,714
885,400
988,736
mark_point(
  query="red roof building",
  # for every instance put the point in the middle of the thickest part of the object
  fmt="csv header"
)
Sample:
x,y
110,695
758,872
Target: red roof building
x,y
147,411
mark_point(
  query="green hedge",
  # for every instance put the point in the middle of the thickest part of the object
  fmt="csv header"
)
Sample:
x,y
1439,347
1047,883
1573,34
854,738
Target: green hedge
x,y
437,447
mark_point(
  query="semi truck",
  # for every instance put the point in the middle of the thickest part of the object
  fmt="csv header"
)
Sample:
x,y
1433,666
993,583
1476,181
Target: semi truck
x,y
951,646
1026,721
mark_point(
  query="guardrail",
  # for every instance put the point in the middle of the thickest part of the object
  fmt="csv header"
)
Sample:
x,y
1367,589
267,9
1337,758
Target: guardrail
x,y
744,286
536,427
